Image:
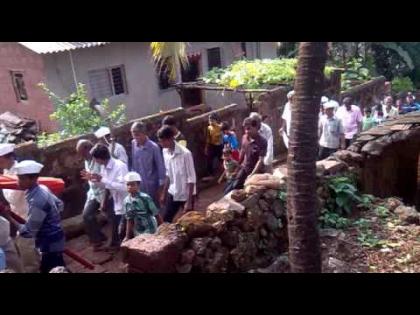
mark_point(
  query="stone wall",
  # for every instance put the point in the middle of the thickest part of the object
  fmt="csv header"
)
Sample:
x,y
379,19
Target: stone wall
x,y
60,159
229,237
367,94
387,158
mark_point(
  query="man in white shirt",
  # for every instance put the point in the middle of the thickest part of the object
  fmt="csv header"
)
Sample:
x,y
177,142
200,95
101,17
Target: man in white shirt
x,y
117,150
267,133
287,119
330,132
16,200
180,186
112,179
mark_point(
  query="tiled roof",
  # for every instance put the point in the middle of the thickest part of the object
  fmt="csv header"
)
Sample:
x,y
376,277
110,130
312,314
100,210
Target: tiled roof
x,y
54,47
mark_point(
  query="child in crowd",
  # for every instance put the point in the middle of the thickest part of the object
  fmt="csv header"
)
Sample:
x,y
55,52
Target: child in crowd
x,y
378,114
214,143
230,139
140,210
368,120
231,167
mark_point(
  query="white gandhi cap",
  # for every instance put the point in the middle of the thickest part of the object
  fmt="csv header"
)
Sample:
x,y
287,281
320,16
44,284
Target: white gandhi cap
x,y
324,99
132,177
28,167
329,105
6,148
290,94
102,132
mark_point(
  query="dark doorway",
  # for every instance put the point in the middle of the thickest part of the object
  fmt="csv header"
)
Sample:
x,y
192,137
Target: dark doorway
x,y
191,97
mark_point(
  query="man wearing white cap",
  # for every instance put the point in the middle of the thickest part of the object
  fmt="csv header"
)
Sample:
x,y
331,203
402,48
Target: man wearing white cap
x,y
287,119
44,222
117,150
15,199
140,210
331,132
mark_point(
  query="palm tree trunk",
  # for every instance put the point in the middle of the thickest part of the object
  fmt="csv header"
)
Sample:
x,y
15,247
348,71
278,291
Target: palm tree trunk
x,y
304,244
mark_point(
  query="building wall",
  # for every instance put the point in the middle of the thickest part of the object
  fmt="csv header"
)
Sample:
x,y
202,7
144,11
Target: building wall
x,y
144,96
14,57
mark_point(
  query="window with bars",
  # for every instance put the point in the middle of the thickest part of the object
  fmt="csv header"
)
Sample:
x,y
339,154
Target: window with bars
x,y
19,86
107,82
214,58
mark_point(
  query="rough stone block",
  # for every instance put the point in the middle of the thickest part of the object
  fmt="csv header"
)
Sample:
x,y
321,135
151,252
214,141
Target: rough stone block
x,y
152,253
195,224
224,209
331,167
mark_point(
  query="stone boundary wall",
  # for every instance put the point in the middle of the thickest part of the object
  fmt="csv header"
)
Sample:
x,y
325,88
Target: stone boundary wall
x,y
368,93
229,237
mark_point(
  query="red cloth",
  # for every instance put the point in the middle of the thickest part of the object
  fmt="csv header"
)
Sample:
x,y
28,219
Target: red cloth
x,y
235,155
56,185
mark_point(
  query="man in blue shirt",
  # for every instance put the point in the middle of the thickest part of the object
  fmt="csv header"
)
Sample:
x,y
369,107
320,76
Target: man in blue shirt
x,y
147,160
43,216
411,105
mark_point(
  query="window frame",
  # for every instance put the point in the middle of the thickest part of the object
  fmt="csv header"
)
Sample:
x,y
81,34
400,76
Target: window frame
x,y
220,55
111,80
18,93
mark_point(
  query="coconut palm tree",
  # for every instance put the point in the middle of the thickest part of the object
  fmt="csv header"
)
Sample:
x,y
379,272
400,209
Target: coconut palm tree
x,y
173,54
304,247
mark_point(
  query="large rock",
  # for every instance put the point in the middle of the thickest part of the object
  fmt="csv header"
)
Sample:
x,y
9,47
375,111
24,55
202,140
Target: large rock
x,y
150,253
243,256
408,215
331,167
224,210
199,245
74,227
195,224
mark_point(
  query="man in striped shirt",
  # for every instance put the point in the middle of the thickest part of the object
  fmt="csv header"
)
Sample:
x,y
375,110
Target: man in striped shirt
x,y
43,216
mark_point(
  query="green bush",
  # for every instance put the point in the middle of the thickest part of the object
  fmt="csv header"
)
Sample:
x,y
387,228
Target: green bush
x,y
402,84
253,74
356,72
76,117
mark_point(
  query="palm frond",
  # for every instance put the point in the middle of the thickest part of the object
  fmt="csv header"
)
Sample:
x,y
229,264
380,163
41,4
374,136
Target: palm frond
x,y
163,51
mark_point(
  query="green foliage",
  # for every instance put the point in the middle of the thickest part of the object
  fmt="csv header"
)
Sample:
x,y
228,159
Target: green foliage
x,y
252,74
356,73
344,195
382,212
333,220
46,139
366,236
76,116
366,201
402,84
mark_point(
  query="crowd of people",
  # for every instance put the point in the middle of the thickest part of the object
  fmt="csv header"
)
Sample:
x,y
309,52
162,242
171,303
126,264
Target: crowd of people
x,y
338,125
157,181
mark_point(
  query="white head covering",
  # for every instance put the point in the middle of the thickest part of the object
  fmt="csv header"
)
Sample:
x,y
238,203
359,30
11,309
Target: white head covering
x,y
324,100
290,94
336,105
6,148
28,167
132,177
329,104
102,132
